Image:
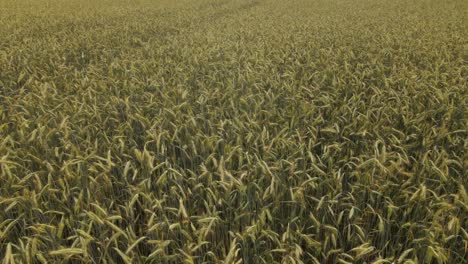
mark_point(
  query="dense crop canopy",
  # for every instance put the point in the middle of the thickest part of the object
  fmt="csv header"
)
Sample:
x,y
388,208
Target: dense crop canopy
x,y
233,131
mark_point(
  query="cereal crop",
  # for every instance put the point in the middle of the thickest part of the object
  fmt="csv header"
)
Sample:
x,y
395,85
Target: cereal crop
x,y
233,131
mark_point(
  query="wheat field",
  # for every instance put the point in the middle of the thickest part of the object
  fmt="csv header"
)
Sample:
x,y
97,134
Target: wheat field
x,y
233,131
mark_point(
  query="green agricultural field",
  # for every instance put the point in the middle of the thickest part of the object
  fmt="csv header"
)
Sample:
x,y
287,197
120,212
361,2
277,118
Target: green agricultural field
x,y
234,131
